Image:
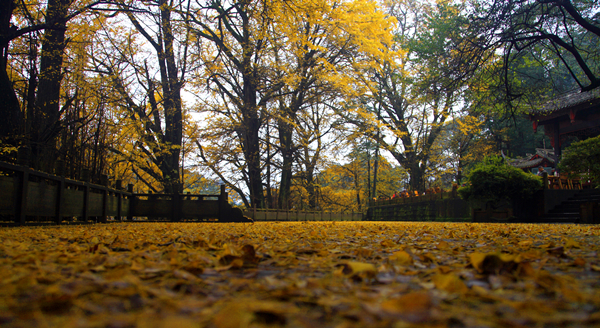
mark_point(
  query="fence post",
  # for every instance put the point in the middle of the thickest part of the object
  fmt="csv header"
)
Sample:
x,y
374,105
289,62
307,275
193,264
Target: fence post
x,y
60,193
131,202
104,183
21,209
119,195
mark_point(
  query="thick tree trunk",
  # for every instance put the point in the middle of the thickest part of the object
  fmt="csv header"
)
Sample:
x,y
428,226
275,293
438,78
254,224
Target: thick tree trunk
x,y
251,144
416,182
250,120
311,190
12,120
172,104
46,125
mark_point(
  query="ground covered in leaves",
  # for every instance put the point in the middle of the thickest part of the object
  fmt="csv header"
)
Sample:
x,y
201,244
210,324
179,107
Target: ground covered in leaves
x,y
301,274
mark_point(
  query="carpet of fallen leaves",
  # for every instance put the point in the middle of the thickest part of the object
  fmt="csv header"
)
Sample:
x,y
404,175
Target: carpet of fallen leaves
x,y
300,274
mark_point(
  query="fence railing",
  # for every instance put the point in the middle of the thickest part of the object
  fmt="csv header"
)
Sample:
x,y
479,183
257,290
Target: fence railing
x,y
28,196
415,199
429,207
291,215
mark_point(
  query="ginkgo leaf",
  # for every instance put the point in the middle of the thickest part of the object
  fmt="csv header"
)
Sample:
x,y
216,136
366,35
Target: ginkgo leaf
x,y
234,315
358,270
572,243
402,258
450,283
411,307
255,277
494,262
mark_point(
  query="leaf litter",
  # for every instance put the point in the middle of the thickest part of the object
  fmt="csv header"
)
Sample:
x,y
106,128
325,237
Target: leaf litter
x,y
300,274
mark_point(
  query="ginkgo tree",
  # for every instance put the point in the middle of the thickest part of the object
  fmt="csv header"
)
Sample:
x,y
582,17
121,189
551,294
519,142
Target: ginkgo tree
x,y
418,89
61,109
148,77
271,59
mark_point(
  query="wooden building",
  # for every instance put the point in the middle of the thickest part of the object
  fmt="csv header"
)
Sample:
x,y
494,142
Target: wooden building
x,y
573,114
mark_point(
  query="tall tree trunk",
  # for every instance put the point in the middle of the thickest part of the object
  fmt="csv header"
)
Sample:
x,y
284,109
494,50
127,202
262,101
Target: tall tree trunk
x,y
310,189
250,120
285,141
11,122
46,117
369,194
172,104
375,169
251,147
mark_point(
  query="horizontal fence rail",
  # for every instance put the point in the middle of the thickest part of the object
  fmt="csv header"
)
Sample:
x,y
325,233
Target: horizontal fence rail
x,y
430,207
32,197
25,194
290,215
415,199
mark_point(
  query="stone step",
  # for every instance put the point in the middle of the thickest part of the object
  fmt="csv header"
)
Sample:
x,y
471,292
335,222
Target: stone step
x,y
570,209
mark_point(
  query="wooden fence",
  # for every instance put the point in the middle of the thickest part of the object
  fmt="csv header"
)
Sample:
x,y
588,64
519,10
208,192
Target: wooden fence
x,y
29,197
32,197
453,194
444,205
291,215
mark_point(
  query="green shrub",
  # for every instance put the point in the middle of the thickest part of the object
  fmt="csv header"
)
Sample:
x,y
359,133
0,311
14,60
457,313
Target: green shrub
x,y
494,180
583,157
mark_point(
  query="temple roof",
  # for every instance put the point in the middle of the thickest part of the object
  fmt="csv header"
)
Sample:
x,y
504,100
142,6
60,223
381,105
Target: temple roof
x,y
566,100
533,160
